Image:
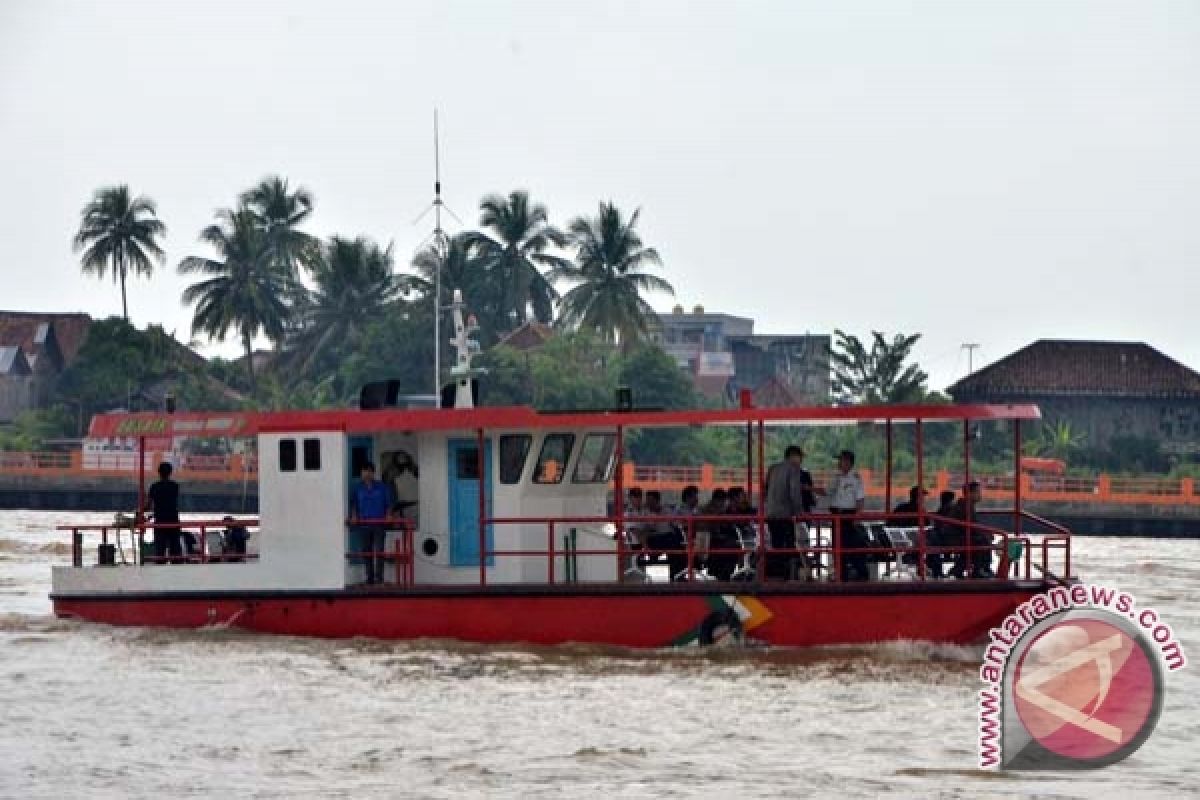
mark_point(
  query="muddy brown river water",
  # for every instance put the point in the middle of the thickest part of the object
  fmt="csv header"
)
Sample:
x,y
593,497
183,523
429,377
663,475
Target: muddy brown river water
x,y
92,711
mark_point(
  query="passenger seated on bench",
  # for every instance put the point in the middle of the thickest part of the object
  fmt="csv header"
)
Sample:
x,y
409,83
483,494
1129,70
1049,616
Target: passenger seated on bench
x,y
739,502
905,518
916,496
235,540
940,536
981,558
634,506
716,535
663,536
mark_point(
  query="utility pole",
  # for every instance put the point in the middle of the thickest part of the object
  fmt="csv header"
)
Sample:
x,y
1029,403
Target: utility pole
x,y
970,347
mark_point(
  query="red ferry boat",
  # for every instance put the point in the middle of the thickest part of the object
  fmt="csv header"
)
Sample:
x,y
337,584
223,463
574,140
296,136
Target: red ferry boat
x,y
509,537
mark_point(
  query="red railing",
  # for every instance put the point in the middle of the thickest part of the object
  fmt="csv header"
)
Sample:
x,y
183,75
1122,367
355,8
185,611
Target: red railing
x,y
1012,561
400,556
829,549
139,546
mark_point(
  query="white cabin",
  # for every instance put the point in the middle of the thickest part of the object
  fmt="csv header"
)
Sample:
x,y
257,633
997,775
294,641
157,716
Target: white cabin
x,y
305,480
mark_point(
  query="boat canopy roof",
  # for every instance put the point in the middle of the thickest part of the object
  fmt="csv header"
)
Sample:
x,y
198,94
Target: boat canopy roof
x,y
237,424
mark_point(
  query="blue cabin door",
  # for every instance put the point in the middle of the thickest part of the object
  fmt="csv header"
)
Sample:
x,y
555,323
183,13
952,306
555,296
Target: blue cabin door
x,y
463,512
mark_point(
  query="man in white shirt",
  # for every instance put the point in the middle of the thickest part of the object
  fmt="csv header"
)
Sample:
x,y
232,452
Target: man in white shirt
x,y
847,496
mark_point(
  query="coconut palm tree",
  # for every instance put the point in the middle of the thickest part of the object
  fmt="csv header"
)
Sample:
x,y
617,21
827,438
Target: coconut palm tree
x,y
121,233
354,285
515,253
609,268
280,212
462,268
246,286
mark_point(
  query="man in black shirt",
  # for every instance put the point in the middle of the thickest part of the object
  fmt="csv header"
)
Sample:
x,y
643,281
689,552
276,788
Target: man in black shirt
x,y
163,501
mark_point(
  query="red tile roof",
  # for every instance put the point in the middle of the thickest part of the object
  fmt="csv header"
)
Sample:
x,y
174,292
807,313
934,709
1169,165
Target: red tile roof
x,y
20,327
529,336
774,393
1061,367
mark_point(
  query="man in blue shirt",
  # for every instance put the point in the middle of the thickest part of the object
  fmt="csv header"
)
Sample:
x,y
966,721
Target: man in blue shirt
x,y
370,505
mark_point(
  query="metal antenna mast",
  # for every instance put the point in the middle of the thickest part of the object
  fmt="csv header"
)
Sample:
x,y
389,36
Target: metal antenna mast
x,y
970,347
441,247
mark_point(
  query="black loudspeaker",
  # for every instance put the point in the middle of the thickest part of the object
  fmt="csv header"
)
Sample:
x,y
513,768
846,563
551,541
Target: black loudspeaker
x,y
380,394
624,398
450,389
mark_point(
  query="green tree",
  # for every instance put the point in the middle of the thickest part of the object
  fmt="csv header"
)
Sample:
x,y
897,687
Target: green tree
x,y
1058,439
878,375
246,287
462,268
121,233
354,284
657,382
118,366
609,269
30,430
280,212
570,371
394,345
515,254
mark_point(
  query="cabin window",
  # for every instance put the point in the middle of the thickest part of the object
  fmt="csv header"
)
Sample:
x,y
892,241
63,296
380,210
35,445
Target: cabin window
x,y
312,455
514,450
552,461
595,458
287,455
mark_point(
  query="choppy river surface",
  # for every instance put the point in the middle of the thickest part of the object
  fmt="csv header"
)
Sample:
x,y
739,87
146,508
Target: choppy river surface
x,y
92,711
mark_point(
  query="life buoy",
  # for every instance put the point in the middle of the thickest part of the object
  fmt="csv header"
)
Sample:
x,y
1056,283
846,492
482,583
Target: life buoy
x,y
714,622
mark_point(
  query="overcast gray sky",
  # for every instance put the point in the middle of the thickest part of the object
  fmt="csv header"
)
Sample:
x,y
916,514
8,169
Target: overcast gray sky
x,y
977,172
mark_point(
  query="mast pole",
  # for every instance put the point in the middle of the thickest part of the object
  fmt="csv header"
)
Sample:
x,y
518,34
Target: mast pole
x,y
437,272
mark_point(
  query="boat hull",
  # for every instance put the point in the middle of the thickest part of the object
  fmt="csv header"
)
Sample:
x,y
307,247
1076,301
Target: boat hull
x,y
788,616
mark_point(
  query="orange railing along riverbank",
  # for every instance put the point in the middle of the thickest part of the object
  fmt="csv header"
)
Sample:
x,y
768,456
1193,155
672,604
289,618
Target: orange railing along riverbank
x,y
1099,490
124,465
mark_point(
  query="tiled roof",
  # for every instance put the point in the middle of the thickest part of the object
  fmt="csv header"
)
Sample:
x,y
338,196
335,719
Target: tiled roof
x,y
774,393
21,328
528,336
1060,367
12,361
